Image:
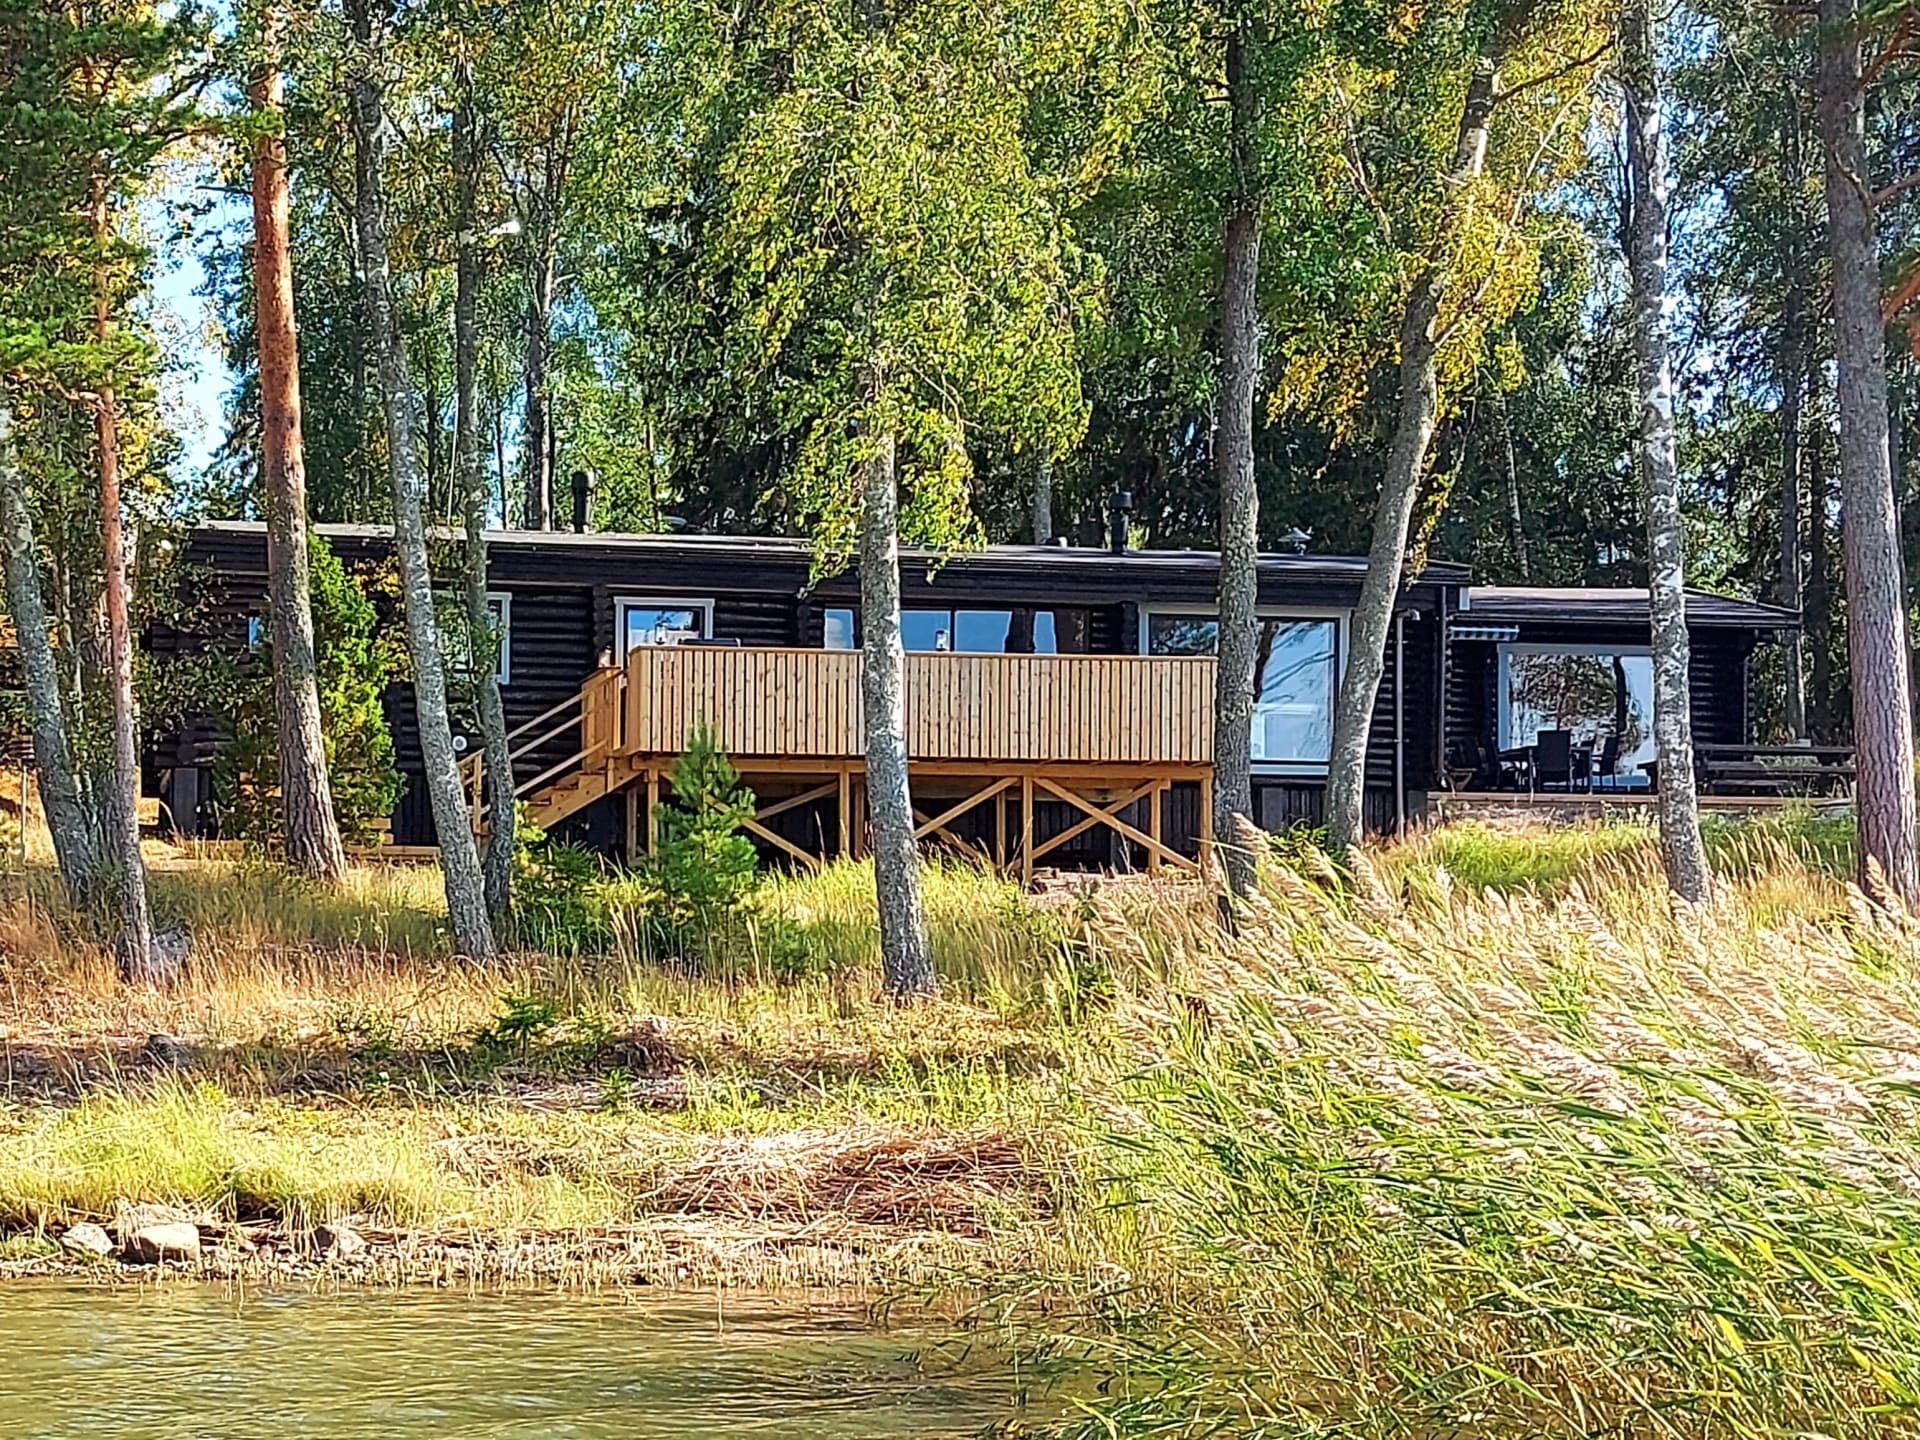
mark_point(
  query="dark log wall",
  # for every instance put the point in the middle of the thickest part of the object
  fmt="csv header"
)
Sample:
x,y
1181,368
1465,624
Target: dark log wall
x,y
564,594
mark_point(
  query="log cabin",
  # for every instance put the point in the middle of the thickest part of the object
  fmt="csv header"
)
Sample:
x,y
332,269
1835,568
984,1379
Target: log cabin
x,y
1059,698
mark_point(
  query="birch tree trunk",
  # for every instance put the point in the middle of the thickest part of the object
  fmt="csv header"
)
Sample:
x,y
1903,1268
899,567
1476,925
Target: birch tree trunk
x,y
1681,847
1042,499
905,955
1237,648
1516,519
306,796
1795,349
459,860
76,844
470,477
1412,438
1869,524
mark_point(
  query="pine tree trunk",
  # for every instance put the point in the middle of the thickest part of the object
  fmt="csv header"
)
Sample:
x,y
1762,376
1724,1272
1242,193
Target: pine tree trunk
x,y
76,845
1681,847
459,860
126,869
1795,359
1235,677
536,458
1821,724
306,795
470,476
1042,499
1870,527
1793,371
905,954
1412,437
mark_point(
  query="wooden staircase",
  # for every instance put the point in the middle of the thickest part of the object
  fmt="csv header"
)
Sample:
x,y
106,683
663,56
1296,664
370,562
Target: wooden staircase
x,y
565,787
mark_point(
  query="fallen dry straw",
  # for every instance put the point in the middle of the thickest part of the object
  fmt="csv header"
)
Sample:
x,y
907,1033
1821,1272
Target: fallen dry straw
x,y
958,1182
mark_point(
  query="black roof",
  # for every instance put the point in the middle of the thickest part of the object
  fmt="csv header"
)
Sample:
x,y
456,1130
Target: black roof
x,y
784,564
1518,604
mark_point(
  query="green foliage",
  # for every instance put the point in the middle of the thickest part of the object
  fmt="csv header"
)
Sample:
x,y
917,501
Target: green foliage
x,y
881,247
535,1027
355,658
703,870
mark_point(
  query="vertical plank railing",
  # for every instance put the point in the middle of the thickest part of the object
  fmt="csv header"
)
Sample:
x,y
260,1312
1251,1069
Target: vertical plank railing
x,y
1039,709
600,716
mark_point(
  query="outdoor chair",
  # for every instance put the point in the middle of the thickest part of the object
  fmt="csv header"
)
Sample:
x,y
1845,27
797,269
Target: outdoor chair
x,y
1606,768
1472,765
1553,760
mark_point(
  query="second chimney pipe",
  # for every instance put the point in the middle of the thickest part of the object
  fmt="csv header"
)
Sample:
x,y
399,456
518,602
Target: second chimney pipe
x,y
1119,520
582,501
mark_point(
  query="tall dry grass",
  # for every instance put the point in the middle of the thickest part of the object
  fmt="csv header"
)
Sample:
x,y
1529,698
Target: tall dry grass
x,y
1419,1158
1480,1139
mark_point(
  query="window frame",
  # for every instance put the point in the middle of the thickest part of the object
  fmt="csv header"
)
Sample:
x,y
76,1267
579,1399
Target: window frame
x,y
1503,712
1342,624
624,603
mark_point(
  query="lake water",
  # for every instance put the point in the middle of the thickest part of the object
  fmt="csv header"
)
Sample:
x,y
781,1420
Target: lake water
x,y
196,1362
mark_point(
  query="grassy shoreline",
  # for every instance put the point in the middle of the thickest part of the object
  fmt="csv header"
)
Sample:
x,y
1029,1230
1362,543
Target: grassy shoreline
x,y
1483,1134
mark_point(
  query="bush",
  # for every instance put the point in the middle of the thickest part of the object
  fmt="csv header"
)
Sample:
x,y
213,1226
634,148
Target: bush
x,y
559,895
703,870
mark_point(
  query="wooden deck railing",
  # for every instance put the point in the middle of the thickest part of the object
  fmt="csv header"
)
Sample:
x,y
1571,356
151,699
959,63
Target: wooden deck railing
x,y
1031,709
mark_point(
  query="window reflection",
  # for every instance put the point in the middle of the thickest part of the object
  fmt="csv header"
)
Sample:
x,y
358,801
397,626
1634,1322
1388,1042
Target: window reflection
x,y
1298,666
1603,698
1017,631
644,624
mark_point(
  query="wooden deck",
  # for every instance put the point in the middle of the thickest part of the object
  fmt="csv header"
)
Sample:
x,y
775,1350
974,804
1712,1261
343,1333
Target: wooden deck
x,y
1099,733
1017,709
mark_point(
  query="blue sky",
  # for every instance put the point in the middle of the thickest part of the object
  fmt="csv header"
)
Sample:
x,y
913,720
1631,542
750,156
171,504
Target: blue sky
x,y
195,381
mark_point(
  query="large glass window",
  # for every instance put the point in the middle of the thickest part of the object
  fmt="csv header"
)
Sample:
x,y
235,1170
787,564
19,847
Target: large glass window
x,y
1595,694
663,622
987,632
1299,669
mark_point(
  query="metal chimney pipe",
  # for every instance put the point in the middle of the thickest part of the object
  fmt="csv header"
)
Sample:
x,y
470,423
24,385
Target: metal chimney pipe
x,y
1119,515
582,501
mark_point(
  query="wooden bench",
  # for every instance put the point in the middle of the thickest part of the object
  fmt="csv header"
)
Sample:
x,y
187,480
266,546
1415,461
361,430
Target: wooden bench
x,y
1776,769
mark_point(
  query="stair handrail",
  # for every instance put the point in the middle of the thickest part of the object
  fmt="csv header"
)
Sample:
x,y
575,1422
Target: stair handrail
x,y
563,715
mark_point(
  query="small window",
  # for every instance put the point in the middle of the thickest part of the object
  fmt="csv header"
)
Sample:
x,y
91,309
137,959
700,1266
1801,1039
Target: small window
x,y
500,612
839,631
456,651
926,629
644,620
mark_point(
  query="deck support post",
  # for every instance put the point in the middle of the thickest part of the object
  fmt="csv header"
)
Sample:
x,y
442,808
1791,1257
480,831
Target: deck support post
x,y
632,798
1026,829
653,811
845,803
1154,827
1206,824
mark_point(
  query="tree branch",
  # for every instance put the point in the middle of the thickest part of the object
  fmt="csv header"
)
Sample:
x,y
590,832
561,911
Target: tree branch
x,y
1896,189
1552,75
